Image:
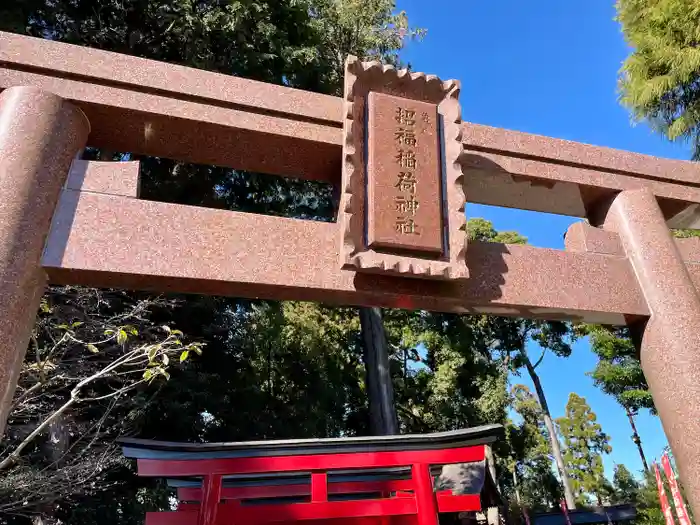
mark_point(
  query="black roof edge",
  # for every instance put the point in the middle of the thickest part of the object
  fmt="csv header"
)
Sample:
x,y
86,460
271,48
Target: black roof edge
x,y
152,449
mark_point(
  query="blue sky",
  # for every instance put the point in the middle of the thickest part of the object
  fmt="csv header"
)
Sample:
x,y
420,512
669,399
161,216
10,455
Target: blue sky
x,y
547,67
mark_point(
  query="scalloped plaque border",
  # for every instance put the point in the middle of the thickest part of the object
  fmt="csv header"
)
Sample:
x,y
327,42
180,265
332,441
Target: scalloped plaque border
x,y
360,79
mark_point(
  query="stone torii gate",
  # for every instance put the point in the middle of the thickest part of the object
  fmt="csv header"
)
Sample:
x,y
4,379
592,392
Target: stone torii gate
x,y
405,164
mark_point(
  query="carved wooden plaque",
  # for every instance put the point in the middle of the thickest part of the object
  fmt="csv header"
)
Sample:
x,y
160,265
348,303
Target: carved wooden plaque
x,y
402,201
404,195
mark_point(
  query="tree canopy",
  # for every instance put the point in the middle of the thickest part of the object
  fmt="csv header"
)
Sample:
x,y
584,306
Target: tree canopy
x,y
626,486
659,80
538,489
584,442
618,371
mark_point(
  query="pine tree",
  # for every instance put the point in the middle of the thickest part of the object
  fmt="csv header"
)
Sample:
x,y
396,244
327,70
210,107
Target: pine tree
x,y
510,338
648,504
535,486
626,486
619,374
659,80
584,442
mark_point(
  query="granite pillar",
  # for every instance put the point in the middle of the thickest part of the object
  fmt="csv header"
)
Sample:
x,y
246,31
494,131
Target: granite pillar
x,y
670,340
40,134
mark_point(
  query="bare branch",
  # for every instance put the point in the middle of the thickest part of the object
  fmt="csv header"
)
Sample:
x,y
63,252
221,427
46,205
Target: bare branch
x,y
116,393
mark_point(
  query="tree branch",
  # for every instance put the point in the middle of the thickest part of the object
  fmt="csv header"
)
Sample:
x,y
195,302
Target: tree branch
x,y
14,455
544,351
36,386
112,394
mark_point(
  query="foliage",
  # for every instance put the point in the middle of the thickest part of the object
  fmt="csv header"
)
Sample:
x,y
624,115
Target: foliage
x,y
584,442
96,361
685,234
626,486
648,504
659,81
370,29
479,229
618,371
461,386
509,339
538,488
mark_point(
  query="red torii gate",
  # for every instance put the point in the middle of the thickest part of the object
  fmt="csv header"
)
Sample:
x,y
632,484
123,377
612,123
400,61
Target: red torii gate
x,y
391,247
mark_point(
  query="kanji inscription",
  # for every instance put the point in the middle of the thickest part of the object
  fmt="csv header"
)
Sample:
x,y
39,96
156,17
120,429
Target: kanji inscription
x,y
404,194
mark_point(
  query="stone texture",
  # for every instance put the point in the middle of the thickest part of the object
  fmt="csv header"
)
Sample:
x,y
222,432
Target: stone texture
x,y
404,194
687,218
595,185
361,78
113,178
689,249
582,237
493,155
152,108
40,134
499,188
670,343
518,144
106,240
102,67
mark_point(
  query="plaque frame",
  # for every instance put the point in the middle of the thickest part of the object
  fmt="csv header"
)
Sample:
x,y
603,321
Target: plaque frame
x,y
360,79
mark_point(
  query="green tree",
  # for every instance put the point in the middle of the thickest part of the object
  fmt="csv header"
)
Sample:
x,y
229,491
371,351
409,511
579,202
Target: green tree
x,y
511,337
619,374
618,371
584,444
626,486
457,384
659,81
96,361
535,486
648,504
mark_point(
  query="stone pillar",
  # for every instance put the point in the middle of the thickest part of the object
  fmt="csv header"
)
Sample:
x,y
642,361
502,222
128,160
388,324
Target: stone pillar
x,y
40,134
670,340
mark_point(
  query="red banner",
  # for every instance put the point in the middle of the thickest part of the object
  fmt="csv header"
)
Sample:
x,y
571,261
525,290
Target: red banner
x,y
681,511
663,499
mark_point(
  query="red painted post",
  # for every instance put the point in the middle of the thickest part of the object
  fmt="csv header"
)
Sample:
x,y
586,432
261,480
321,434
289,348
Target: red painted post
x,y
211,496
425,496
319,487
670,342
40,135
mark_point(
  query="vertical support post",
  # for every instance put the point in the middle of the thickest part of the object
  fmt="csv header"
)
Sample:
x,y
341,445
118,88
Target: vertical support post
x,y
211,496
319,487
40,134
426,503
670,342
